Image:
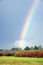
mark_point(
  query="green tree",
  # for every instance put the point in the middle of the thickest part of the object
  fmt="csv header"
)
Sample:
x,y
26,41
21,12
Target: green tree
x,y
35,48
27,48
16,49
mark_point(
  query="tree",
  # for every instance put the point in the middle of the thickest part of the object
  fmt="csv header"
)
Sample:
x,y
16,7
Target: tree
x,y
16,49
27,48
35,48
1,49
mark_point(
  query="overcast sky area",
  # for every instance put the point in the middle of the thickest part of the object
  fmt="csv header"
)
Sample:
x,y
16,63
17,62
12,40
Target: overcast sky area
x,y
12,16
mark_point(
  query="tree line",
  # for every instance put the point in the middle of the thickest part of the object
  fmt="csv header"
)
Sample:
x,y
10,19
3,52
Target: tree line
x,y
34,48
26,48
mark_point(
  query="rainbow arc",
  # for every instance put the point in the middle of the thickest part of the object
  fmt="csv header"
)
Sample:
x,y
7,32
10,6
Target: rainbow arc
x,y
27,22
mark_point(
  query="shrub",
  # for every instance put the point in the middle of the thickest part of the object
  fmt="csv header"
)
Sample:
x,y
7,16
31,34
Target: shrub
x,y
7,53
30,53
1,54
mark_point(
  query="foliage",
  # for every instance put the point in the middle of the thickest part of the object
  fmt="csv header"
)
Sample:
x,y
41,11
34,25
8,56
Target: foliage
x,y
7,53
34,48
16,49
27,48
29,53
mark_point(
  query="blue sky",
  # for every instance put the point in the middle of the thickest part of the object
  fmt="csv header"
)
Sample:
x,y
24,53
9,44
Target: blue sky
x,y
12,16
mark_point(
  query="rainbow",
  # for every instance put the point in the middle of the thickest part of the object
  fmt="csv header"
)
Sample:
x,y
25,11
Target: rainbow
x,y
26,24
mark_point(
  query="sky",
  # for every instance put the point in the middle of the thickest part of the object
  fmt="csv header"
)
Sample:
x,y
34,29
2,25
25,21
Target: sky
x,y
12,16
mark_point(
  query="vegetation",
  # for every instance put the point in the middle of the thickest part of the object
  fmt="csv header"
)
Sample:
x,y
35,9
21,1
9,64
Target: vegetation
x,y
16,49
34,48
36,51
26,48
17,56
24,53
7,53
30,53
20,61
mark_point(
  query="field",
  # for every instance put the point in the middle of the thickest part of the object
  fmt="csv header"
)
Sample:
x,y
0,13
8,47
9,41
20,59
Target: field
x,y
10,60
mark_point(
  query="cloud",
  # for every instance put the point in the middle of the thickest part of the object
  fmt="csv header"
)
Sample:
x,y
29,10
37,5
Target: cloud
x,y
19,43
24,43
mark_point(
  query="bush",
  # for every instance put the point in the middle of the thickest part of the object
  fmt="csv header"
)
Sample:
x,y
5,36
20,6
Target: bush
x,y
1,54
30,53
7,53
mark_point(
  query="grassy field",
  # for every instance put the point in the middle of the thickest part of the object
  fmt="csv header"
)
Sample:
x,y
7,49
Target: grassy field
x,y
20,61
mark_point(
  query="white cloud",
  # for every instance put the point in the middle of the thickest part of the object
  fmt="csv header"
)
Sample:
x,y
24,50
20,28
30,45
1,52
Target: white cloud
x,y
23,43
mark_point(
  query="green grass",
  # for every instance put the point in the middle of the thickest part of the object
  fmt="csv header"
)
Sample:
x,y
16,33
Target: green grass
x,y
20,61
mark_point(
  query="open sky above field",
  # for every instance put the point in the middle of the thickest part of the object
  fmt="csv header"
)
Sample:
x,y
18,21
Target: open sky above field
x,y
13,14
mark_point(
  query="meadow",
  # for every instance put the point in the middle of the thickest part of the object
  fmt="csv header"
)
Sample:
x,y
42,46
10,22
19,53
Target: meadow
x,y
11,60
